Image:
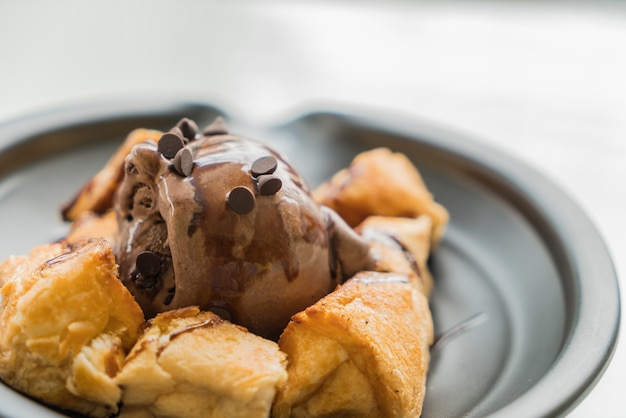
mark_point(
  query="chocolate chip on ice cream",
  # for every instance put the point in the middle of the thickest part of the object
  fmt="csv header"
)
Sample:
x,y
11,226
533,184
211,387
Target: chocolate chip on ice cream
x,y
269,185
240,200
264,165
218,127
188,127
148,263
169,144
183,162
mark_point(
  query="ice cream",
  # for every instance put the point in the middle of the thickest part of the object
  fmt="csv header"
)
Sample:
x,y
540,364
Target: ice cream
x,y
225,223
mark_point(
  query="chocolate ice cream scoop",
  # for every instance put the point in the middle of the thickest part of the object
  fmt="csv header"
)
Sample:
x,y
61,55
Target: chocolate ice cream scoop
x,y
227,224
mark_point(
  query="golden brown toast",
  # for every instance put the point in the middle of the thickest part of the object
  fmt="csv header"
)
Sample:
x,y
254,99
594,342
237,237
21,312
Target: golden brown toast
x,y
379,182
362,351
192,364
65,326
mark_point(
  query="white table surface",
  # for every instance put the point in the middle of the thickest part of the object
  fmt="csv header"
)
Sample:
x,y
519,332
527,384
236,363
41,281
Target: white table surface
x,y
544,81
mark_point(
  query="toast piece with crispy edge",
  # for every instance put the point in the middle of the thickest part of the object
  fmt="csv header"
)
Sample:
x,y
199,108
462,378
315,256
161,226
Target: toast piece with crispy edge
x,y
380,182
362,351
194,364
65,326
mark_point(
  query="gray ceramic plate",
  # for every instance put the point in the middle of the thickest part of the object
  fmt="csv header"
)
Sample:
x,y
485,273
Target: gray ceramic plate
x,y
526,293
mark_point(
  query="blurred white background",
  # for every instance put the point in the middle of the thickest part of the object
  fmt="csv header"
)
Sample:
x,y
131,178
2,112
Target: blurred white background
x,y
545,81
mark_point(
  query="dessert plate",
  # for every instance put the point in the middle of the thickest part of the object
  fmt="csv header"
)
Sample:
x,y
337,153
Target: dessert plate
x,y
526,304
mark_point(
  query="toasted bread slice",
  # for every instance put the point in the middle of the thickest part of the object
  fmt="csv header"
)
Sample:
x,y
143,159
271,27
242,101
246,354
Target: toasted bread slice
x,y
362,351
379,182
65,327
194,364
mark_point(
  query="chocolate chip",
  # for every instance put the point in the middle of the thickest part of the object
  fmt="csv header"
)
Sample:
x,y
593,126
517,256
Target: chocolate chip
x,y
188,127
218,127
269,185
221,312
169,144
176,130
240,200
183,162
148,264
170,296
264,165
